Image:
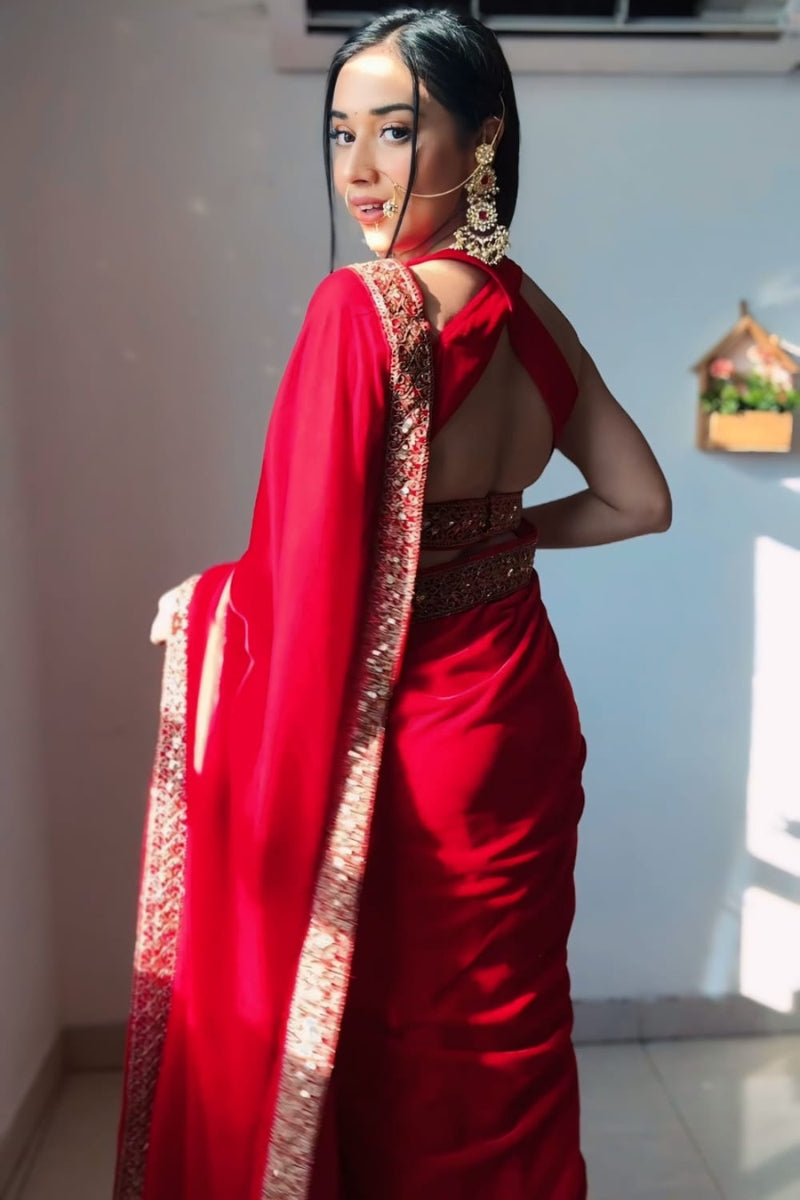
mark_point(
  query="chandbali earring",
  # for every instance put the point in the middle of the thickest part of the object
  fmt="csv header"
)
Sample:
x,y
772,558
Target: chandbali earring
x,y
483,236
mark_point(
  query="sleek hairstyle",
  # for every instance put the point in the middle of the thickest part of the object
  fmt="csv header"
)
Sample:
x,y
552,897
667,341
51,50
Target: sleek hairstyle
x,y
461,64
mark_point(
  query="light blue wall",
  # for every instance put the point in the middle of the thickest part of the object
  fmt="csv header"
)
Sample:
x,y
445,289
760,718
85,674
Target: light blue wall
x,y
164,225
649,208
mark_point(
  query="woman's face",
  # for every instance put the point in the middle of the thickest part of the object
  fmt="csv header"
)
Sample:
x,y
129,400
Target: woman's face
x,y
371,122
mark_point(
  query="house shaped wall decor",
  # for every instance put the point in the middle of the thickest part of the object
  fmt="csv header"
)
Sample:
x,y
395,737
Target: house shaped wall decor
x,y
749,389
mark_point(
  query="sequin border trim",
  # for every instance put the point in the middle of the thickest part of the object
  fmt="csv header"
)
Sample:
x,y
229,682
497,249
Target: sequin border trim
x,y
324,969
451,524
447,591
160,908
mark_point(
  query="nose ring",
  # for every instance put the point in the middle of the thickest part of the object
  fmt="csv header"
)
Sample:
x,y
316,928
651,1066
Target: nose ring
x,y
391,207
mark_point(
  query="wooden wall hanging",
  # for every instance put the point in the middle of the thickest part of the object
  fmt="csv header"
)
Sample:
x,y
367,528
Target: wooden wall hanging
x,y
749,389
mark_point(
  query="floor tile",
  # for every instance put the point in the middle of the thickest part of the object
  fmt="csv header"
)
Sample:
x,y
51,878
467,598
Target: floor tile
x,y
636,1148
710,1120
740,1098
76,1159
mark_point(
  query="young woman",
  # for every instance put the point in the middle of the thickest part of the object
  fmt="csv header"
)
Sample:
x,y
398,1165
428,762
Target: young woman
x,y
351,968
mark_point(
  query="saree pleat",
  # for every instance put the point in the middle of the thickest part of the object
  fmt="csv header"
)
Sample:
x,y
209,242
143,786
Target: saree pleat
x,y
456,1076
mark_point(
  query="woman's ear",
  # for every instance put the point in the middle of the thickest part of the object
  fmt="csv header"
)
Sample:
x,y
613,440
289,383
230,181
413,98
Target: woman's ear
x,y
491,131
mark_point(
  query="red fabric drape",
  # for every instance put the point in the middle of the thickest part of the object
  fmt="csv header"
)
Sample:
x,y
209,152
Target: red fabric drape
x,y
313,635
299,701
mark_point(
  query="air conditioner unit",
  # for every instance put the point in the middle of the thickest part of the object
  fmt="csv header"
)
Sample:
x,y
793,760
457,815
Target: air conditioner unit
x,y
609,37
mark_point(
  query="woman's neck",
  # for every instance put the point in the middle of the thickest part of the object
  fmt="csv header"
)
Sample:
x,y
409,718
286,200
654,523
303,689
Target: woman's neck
x,y
441,239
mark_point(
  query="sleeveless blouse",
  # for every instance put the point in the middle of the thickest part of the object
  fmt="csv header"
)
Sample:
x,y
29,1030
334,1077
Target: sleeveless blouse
x,y
467,342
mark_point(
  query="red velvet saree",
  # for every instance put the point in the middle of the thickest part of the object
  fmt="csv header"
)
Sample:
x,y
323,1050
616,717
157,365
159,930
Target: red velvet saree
x,y
350,977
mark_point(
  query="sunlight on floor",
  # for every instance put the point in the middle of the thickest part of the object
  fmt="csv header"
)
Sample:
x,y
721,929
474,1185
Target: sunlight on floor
x,y
770,1120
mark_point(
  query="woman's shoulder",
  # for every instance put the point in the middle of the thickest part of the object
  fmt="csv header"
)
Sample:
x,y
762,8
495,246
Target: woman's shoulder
x,y
447,286
554,320
353,283
342,287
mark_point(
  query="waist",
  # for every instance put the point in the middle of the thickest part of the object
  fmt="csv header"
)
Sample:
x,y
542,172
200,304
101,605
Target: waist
x,y
482,578
456,524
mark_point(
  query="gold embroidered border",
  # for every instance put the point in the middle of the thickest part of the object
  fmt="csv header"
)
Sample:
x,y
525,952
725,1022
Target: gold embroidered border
x,y
160,906
446,591
451,524
324,969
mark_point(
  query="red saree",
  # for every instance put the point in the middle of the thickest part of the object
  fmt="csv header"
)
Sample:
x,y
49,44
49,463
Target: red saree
x,y
350,979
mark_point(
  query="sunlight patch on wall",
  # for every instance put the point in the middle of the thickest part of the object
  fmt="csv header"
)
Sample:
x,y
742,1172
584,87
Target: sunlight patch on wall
x,y
770,965
773,786
770,934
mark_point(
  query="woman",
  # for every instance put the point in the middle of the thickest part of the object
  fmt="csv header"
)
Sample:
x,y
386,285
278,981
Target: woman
x,y
351,977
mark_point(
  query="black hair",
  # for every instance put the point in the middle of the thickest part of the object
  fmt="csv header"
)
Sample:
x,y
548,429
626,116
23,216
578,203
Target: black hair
x,y
460,62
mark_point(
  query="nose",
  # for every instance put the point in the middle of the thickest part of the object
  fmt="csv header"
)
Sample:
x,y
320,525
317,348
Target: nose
x,y
361,166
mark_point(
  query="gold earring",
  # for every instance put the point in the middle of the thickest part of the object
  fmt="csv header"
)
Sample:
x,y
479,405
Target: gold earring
x,y
483,236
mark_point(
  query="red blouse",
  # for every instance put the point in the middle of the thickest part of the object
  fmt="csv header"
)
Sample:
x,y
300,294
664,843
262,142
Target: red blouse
x,y
461,353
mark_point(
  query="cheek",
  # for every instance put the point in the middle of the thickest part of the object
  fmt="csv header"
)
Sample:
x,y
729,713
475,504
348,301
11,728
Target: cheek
x,y
340,180
441,170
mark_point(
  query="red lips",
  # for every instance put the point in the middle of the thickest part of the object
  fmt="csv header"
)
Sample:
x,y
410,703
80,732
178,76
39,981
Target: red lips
x,y
366,202
367,210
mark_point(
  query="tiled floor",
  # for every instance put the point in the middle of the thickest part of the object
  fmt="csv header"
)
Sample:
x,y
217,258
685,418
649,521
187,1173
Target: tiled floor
x,y
666,1121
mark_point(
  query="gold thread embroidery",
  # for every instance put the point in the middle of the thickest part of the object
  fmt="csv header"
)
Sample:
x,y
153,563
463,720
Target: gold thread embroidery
x,y
160,907
324,969
445,591
450,524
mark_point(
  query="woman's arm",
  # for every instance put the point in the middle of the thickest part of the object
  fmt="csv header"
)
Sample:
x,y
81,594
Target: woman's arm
x,y
627,494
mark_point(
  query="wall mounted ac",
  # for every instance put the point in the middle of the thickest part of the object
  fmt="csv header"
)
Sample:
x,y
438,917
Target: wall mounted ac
x,y
609,37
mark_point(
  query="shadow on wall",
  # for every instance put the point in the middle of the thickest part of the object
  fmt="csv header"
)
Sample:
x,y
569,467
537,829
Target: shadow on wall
x,y
154,288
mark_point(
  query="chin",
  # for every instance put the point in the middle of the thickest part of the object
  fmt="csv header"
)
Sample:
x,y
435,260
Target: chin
x,y
377,239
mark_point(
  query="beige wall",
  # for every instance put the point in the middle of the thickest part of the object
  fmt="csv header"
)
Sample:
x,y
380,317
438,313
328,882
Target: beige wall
x,y
28,993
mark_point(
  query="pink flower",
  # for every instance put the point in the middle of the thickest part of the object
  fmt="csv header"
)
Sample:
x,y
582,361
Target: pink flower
x,y
779,377
766,365
721,368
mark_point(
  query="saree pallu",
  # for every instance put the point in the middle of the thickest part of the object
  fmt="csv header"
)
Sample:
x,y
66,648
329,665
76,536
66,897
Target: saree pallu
x,y
350,979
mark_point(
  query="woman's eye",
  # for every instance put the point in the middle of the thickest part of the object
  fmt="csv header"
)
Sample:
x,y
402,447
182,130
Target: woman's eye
x,y
392,133
397,133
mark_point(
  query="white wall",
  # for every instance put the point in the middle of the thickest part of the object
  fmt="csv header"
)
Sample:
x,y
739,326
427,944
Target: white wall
x,y
167,225
28,994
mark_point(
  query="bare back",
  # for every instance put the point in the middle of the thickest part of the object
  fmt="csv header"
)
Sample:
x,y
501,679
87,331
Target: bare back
x,y
501,436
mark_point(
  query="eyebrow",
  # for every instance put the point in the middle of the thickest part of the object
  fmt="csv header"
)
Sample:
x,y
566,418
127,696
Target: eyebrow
x,y
377,112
